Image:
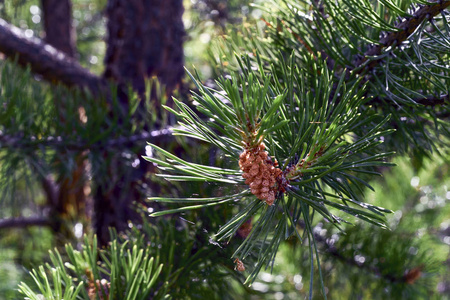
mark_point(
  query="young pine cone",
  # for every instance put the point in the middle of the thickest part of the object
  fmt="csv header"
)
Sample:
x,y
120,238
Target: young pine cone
x,y
260,173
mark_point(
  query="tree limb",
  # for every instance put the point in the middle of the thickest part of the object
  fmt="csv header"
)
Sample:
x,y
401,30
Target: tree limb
x,y
59,31
407,27
24,222
334,252
19,141
45,60
433,101
426,101
330,249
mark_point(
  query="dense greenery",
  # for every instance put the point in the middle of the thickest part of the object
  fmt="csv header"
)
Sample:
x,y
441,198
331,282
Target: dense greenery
x,y
321,97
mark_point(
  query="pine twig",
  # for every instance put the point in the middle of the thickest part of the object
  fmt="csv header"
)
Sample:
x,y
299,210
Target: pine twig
x,y
407,27
426,101
433,101
19,141
334,252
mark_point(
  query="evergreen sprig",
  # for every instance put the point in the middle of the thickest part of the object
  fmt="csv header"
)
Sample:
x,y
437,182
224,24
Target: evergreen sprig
x,y
154,261
130,272
309,132
398,48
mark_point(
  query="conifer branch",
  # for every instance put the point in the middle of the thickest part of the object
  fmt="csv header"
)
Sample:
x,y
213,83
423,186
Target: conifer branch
x,y
24,222
433,101
45,60
426,101
19,141
333,251
394,39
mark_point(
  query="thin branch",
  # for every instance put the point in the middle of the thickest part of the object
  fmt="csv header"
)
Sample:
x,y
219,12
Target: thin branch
x,y
394,39
19,141
426,101
331,250
433,101
409,277
24,222
46,60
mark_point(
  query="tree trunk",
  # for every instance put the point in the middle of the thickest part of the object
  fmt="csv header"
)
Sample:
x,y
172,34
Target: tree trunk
x,y
145,39
59,31
69,205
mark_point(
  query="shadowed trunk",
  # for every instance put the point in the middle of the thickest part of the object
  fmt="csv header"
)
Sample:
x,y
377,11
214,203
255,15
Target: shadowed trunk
x,y
145,39
58,25
69,205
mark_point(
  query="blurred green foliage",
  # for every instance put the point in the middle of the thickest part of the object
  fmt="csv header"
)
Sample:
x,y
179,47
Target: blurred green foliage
x,y
20,251
205,21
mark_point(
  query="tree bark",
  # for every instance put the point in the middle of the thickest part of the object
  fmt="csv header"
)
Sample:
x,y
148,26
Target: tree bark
x,y
69,206
59,31
144,39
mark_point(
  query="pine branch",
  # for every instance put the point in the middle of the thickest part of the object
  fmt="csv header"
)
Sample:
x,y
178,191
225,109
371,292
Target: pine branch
x,y
19,141
45,60
426,101
334,252
433,101
394,39
24,222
